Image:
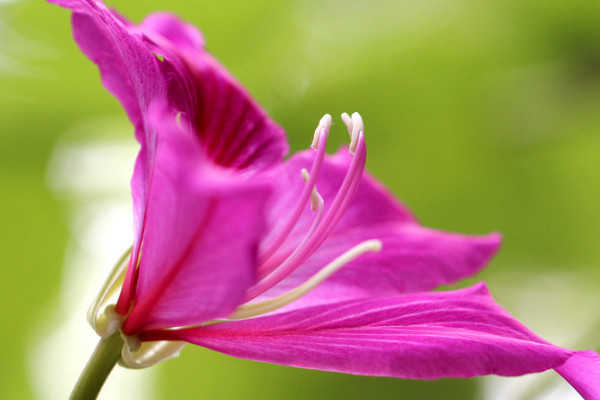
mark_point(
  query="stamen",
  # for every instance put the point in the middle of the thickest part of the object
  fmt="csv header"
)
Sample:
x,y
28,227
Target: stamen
x,y
321,137
313,240
263,307
271,264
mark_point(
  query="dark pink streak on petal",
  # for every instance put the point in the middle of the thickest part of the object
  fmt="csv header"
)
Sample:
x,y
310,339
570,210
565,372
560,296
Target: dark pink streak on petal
x,y
200,238
187,79
238,132
460,333
235,131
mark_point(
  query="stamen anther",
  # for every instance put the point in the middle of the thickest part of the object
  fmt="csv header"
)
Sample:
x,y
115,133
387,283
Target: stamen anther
x,y
324,124
315,198
348,122
357,127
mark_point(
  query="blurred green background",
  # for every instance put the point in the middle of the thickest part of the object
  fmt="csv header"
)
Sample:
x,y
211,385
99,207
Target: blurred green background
x,y
481,116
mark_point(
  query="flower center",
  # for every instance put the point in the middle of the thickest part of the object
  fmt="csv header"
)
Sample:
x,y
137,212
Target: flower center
x,y
272,268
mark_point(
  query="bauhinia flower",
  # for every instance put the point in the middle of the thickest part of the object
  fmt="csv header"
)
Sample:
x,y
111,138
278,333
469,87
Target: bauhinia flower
x,y
308,262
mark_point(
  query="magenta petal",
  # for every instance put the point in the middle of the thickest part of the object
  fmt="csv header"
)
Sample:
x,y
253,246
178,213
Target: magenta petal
x,y
460,333
413,259
582,371
139,189
128,67
200,236
173,29
234,129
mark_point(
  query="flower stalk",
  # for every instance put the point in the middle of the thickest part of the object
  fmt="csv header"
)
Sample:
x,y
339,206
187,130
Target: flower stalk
x,y
99,366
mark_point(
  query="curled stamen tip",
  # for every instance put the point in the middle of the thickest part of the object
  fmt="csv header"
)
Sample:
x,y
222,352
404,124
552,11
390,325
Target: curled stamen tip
x,y
316,201
323,127
355,125
325,122
348,122
373,245
305,174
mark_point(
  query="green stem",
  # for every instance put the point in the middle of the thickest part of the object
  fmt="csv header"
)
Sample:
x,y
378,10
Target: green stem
x,y
102,361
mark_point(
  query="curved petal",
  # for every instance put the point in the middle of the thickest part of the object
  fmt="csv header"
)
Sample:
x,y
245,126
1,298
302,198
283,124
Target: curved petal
x,y
200,236
163,58
128,68
413,258
131,72
177,32
236,132
461,333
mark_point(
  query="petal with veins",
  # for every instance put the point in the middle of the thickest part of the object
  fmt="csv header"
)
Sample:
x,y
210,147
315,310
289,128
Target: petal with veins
x,y
163,59
233,128
461,333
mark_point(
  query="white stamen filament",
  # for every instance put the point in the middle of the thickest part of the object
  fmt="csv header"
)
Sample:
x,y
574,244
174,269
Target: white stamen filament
x,y
315,238
252,310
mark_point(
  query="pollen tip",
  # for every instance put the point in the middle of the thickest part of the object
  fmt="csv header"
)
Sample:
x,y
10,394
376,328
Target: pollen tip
x,y
348,122
316,201
325,122
374,245
355,127
322,129
305,174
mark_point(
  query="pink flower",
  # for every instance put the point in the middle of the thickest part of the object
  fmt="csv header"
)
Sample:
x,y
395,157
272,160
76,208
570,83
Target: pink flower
x,y
308,262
